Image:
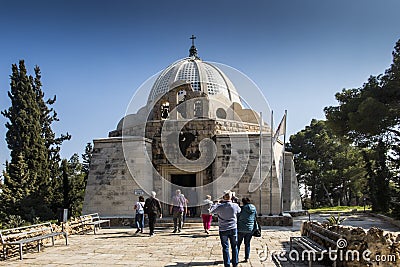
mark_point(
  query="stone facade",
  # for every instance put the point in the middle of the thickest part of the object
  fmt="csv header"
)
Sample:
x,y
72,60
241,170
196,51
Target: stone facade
x,y
111,186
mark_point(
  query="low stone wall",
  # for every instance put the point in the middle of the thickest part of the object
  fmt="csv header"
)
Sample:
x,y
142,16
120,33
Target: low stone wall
x,y
297,213
72,227
18,234
75,226
364,248
123,221
276,220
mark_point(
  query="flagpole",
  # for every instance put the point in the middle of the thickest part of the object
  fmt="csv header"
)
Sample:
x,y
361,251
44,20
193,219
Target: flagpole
x,y
283,164
259,163
272,157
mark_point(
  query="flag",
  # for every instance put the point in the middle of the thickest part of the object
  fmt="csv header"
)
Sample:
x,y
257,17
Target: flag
x,y
281,129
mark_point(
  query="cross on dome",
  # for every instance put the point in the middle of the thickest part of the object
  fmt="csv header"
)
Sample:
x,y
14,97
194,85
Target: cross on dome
x,y
193,49
193,38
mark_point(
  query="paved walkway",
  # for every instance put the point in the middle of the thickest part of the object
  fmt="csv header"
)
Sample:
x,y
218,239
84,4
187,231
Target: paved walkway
x,y
192,247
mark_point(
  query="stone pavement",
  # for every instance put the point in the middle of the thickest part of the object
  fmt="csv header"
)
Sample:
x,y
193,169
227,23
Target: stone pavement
x,y
192,247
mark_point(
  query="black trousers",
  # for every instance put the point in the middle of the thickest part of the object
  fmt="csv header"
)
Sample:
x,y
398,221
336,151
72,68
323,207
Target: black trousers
x,y
152,222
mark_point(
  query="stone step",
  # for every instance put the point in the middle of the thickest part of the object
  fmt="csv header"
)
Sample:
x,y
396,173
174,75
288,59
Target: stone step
x,y
171,225
189,222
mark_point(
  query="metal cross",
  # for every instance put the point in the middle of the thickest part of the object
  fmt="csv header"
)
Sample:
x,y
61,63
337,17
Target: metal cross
x,y
192,38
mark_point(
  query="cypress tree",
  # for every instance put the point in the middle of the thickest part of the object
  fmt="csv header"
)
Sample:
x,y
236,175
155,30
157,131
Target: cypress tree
x,y
34,150
87,157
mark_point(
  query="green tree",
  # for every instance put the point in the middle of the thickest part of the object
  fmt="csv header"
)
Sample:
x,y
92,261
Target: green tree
x,y
326,166
32,143
15,190
87,157
369,117
73,179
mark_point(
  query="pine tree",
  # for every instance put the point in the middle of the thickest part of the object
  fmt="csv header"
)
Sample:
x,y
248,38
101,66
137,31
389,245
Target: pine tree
x,y
369,117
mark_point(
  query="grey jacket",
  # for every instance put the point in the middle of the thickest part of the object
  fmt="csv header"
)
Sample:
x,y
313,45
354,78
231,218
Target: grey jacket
x,y
205,208
227,215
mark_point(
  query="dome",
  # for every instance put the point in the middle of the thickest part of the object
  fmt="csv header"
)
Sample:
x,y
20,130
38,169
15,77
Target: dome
x,y
203,76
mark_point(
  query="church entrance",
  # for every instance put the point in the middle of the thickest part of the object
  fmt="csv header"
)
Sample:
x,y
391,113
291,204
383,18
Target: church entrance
x,y
190,184
187,183
184,180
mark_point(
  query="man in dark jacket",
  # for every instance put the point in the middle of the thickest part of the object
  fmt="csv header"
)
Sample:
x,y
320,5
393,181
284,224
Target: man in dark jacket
x,y
152,207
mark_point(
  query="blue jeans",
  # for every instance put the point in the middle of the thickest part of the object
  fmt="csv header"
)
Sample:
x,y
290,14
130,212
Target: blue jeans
x,y
139,220
231,236
247,238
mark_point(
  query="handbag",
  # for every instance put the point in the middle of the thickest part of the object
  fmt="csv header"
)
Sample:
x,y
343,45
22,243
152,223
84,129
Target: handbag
x,y
256,229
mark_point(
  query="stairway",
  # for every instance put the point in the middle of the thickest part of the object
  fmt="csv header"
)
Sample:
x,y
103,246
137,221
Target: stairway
x,y
193,222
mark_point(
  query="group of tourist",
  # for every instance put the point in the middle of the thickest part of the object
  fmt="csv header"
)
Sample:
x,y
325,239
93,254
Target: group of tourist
x,y
236,224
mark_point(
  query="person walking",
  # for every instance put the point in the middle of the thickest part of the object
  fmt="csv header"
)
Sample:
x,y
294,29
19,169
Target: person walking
x,y
205,213
152,208
227,223
246,220
139,216
192,199
187,210
178,207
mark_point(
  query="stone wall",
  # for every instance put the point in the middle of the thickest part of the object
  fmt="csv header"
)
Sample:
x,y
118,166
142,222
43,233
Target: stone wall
x,y
291,192
104,190
111,189
285,220
232,160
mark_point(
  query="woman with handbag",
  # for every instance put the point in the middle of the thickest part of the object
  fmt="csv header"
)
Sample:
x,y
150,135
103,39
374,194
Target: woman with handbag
x,y
246,221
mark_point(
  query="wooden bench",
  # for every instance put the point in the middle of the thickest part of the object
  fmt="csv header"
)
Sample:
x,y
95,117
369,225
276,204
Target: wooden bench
x,y
316,241
28,234
93,219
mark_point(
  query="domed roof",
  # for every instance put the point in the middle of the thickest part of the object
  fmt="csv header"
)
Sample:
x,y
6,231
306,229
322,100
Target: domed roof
x,y
203,76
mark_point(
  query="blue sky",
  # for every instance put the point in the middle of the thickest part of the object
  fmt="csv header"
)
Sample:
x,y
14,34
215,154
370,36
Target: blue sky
x,y
94,54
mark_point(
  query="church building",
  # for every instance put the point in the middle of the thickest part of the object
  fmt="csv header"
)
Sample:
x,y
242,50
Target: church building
x,y
193,134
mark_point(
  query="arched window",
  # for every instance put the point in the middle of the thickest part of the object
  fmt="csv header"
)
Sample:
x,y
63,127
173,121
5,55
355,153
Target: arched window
x,y
221,113
165,111
198,108
181,96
